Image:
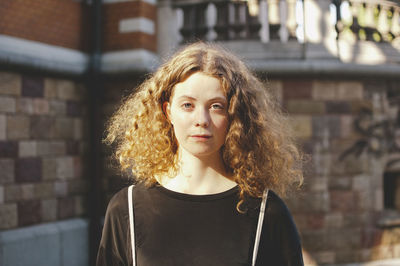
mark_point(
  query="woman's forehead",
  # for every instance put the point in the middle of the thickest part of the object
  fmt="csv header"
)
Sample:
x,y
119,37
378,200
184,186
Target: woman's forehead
x,y
199,84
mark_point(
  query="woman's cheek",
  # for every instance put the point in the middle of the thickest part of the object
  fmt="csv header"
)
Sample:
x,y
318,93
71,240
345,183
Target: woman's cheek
x,y
182,116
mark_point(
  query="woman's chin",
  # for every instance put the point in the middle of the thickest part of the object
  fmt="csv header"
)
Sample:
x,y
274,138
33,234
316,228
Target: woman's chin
x,y
202,152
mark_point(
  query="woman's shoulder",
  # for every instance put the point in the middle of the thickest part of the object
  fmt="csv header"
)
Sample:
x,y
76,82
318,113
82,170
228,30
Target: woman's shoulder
x,y
281,240
278,213
118,202
275,204
274,207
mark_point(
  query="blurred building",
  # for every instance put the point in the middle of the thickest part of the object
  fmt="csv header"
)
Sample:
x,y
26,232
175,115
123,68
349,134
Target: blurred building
x,y
65,65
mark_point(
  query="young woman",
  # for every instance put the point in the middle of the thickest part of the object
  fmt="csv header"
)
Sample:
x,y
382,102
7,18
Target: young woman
x,y
207,148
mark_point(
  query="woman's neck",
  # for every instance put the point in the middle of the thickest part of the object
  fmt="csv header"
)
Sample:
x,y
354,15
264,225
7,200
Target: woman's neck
x,y
199,175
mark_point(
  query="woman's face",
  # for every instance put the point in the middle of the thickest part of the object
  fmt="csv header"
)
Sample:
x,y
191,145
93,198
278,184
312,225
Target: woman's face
x,y
198,112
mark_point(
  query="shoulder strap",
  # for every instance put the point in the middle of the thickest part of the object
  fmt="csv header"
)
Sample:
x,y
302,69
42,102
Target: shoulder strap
x,y
259,226
131,224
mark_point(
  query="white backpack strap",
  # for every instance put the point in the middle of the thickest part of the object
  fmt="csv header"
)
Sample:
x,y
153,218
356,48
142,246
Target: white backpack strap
x,y
259,226
131,224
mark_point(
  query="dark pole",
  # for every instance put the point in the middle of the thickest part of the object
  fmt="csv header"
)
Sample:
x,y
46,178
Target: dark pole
x,y
95,94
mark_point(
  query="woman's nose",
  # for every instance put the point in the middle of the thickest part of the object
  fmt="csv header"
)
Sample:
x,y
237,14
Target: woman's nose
x,y
202,117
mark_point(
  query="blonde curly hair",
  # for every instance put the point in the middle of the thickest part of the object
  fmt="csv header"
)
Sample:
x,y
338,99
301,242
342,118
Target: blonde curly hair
x,y
258,151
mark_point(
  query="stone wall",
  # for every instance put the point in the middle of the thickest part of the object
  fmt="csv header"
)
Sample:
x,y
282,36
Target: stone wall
x,y
42,143
339,209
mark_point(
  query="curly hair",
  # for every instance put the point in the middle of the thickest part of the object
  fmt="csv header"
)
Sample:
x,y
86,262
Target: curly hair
x,y
259,150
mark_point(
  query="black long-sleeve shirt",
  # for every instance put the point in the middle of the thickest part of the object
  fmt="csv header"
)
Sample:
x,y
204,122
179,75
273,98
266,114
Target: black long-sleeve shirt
x,y
174,229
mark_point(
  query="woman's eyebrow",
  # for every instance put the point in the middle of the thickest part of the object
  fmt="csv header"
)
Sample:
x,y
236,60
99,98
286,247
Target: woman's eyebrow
x,y
186,97
220,98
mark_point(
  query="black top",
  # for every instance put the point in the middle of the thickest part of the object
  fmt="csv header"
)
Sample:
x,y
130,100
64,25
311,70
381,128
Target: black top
x,y
173,229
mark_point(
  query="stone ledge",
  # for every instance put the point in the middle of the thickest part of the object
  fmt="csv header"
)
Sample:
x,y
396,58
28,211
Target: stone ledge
x,y
54,59
272,59
59,243
273,50
138,60
26,53
327,68
389,219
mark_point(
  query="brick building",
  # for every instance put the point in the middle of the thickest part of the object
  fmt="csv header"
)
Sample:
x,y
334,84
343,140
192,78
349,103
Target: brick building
x,y
333,65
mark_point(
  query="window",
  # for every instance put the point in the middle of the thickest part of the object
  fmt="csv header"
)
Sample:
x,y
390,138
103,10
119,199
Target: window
x,y
391,190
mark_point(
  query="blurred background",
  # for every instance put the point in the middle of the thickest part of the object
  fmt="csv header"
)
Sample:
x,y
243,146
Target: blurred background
x,y
65,65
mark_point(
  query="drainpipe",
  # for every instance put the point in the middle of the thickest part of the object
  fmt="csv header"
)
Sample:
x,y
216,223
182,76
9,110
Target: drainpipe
x,y
95,95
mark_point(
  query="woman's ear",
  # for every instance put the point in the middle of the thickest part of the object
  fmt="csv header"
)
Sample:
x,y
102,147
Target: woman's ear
x,y
166,107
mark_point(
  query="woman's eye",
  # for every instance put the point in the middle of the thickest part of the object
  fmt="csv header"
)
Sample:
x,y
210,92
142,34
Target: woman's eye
x,y
187,105
217,106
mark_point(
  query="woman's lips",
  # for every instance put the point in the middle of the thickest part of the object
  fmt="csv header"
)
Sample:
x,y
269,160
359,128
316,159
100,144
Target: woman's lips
x,y
201,137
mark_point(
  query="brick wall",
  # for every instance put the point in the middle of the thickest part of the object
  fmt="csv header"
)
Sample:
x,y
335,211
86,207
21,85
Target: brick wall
x,y
129,25
60,23
42,132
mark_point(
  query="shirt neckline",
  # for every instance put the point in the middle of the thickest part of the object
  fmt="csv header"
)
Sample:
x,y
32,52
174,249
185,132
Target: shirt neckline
x,y
193,197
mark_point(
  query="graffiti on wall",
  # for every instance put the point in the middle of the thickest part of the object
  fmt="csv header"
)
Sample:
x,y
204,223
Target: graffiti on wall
x,y
379,128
